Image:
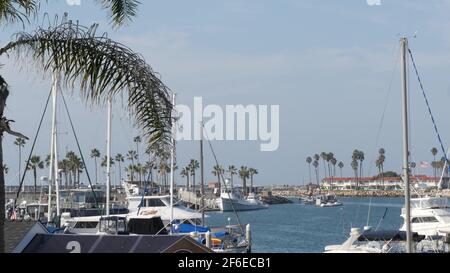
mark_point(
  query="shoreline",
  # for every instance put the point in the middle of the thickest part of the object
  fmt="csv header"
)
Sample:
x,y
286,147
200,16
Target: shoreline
x,y
355,193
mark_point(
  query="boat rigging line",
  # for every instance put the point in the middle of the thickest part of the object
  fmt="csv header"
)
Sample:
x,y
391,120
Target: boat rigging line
x,y
428,106
79,150
380,127
223,178
32,148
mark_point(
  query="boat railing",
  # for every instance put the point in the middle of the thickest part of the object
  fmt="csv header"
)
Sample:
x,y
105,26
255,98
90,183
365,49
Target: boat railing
x,y
429,203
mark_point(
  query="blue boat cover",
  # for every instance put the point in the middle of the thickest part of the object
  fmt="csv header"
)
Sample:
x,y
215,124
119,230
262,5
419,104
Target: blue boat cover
x,y
220,234
187,228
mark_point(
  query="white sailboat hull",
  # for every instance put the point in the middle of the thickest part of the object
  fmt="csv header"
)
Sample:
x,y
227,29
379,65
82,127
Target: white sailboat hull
x,y
226,204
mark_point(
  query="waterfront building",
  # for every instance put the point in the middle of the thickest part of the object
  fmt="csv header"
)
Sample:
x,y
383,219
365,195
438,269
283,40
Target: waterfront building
x,y
377,183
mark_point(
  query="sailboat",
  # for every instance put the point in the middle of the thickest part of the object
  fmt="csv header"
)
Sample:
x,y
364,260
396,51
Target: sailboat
x,y
405,239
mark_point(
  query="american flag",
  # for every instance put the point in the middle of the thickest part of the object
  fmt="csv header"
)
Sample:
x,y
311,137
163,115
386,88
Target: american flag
x,y
425,165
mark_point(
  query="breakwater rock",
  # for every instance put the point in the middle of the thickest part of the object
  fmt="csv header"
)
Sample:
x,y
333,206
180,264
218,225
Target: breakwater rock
x,y
276,200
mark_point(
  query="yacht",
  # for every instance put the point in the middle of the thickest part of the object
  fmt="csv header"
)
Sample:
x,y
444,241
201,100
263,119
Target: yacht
x,y
143,207
430,216
384,241
159,205
233,200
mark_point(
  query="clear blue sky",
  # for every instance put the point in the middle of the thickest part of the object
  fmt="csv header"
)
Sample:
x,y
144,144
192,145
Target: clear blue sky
x,y
328,64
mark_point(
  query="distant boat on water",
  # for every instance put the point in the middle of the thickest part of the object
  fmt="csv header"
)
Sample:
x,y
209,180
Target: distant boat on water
x,y
233,200
329,200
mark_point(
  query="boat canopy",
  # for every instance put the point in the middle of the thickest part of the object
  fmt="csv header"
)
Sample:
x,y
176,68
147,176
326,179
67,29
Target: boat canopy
x,y
187,228
388,235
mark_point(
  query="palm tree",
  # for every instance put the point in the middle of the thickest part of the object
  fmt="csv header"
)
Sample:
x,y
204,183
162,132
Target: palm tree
x,y
75,168
95,153
139,169
20,11
105,161
252,172
78,53
333,162
316,168
380,163
218,171
47,161
132,155
361,159
120,159
137,140
324,157
354,166
244,174
64,166
341,166
193,166
434,152
101,67
328,159
317,158
309,161
20,143
150,165
232,170
186,172
34,164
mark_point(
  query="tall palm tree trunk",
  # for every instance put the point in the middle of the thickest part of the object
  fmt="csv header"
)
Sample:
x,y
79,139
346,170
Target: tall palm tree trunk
x,y
193,181
309,165
244,184
35,182
96,170
120,171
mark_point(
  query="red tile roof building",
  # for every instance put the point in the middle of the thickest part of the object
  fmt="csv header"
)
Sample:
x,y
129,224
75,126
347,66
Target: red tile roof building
x,y
373,183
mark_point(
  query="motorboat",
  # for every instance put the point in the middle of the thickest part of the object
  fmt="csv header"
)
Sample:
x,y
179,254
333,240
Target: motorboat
x,y
309,200
430,216
329,200
383,241
234,200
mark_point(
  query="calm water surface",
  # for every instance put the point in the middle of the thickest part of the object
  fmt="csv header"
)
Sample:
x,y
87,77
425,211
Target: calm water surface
x,y
298,228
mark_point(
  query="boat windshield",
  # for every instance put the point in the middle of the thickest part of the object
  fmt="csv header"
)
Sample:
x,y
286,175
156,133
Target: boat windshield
x,y
428,203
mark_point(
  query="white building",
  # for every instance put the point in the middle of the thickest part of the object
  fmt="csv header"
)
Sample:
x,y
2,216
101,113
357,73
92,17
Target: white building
x,y
377,183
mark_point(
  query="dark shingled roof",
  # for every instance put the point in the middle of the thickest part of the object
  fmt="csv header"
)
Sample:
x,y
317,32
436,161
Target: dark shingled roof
x,y
15,231
67,243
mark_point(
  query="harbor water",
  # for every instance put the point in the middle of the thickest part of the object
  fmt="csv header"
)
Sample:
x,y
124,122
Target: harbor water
x,y
299,228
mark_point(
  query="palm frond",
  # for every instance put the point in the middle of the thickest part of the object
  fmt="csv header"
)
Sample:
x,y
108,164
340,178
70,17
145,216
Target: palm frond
x,y
122,11
13,11
102,68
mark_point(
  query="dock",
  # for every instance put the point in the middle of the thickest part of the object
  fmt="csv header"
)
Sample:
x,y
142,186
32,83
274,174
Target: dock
x,y
193,201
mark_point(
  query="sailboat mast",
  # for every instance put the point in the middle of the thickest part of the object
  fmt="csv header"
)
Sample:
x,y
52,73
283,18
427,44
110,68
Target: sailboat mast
x,y
108,156
172,162
404,73
52,146
202,173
